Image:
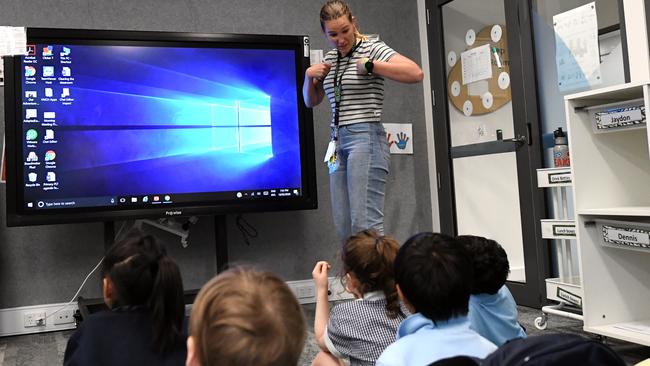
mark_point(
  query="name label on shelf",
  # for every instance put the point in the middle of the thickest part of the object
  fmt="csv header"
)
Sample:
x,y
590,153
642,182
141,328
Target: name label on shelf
x,y
569,297
564,230
626,236
621,118
557,178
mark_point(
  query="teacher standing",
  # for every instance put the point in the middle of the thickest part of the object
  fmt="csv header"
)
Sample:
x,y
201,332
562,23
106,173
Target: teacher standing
x,y
352,76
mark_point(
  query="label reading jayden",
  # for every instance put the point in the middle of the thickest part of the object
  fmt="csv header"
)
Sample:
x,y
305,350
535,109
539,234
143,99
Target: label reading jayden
x,y
626,236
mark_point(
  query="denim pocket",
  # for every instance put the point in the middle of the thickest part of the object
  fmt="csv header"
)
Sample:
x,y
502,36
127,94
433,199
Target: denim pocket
x,y
357,128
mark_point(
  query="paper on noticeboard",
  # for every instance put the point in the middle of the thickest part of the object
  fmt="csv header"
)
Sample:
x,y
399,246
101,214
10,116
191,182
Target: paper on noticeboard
x,y
576,48
476,64
13,41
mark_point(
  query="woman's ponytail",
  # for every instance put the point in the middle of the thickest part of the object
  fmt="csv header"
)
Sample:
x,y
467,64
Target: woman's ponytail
x,y
167,304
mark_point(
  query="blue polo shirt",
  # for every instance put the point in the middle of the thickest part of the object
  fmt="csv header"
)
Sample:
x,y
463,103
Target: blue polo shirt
x,y
420,342
495,316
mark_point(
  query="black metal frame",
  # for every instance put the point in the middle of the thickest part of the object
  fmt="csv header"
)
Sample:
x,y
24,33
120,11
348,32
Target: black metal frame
x,y
18,216
523,81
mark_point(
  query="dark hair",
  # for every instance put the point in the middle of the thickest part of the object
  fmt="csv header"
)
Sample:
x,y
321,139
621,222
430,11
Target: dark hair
x,y
247,317
435,275
490,263
143,274
370,257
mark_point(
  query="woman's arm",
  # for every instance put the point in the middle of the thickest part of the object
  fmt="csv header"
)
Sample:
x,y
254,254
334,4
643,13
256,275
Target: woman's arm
x,y
312,88
322,302
398,68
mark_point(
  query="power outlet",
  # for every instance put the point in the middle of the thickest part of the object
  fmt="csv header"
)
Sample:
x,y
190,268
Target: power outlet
x,y
64,317
35,319
305,291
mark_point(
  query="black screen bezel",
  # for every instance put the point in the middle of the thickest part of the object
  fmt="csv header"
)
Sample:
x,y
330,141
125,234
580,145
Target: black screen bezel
x,y
18,216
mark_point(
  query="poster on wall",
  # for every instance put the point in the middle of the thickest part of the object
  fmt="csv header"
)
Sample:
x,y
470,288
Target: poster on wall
x,y
576,48
399,137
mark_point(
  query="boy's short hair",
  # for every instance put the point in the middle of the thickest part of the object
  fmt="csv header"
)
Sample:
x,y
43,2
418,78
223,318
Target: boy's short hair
x,y
247,317
435,275
490,263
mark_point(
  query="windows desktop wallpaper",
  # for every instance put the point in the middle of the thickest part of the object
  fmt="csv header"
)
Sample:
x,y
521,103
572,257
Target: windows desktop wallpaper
x,y
137,120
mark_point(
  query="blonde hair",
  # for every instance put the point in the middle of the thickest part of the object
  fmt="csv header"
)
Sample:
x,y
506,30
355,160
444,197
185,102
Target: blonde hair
x,y
247,317
334,9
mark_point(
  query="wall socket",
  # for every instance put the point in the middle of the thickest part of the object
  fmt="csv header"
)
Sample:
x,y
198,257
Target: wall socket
x,y
305,291
34,319
64,317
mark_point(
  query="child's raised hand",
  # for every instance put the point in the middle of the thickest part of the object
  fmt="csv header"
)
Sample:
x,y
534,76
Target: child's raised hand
x,y
319,274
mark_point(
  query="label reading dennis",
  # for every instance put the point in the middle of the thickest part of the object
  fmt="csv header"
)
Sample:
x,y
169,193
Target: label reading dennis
x,y
626,236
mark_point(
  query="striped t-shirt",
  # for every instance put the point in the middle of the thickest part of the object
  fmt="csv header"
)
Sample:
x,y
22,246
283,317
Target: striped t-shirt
x,y
362,96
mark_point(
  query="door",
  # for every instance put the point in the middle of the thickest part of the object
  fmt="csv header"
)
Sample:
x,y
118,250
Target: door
x,y
486,132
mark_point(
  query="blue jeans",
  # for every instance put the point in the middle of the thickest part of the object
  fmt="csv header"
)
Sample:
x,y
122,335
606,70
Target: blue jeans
x,y
358,185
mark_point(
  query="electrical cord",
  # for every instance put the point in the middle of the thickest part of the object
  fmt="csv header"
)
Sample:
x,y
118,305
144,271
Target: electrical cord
x,y
78,291
247,230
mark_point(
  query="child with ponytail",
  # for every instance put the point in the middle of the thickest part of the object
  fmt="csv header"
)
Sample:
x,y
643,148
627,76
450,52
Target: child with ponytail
x,y
359,330
143,288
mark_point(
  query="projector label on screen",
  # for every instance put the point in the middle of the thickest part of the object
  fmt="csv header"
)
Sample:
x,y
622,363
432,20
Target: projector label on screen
x,y
173,213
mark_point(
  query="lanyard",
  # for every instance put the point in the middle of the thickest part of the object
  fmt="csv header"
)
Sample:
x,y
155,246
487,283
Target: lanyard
x,y
338,89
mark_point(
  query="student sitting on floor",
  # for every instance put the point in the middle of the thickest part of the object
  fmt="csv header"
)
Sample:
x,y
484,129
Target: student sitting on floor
x,y
245,317
143,288
359,330
434,279
492,309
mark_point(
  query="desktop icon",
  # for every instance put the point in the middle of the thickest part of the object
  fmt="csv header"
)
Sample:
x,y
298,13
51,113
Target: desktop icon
x,y
49,135
32,156
65,71
31,94
167,198
239,195
41,204
32,177
47,50
134,199
50,155
31,135
49,92
49,115
48,71
122,199
156,198
30,204
30,113
65,92
145,199
66,51
50,177
30,71
31,50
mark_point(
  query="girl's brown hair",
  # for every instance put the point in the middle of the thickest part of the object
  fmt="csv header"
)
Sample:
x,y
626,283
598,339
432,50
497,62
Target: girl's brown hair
x,y
334,9
369,257
247,317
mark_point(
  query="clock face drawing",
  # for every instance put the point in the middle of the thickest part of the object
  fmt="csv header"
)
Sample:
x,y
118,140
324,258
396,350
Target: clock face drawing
x,y
488,95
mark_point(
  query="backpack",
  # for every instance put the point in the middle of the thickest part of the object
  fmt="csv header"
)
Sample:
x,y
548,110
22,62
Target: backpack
x,y
553,349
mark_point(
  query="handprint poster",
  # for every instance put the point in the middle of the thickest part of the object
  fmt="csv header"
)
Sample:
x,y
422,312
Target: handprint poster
x,y
399,137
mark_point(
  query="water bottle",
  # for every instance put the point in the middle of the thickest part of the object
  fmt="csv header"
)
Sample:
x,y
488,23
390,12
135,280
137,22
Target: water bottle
x,y
561,149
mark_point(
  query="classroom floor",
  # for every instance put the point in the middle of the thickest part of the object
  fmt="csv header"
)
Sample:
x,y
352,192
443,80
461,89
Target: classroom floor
x,y
48,348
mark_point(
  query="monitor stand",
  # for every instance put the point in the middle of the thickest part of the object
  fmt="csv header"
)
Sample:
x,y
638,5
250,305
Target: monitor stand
x,y
90,306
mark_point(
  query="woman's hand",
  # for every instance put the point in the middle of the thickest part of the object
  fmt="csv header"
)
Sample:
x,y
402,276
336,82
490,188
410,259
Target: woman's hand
x,y
319,274
318,71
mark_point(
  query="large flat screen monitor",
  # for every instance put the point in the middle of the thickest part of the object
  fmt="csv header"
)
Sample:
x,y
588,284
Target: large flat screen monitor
x,y
109,125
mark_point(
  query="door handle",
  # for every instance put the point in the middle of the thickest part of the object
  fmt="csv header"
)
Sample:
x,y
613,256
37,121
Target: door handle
x,y
519,140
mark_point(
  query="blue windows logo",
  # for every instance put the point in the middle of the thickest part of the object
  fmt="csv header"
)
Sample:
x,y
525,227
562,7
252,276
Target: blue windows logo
x,y
242,126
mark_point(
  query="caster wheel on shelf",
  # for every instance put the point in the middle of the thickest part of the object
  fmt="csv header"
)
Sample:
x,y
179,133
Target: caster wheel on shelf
x,y
541,323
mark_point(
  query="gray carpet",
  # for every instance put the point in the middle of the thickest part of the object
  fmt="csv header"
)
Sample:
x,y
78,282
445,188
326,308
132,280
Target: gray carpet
x,y
48,348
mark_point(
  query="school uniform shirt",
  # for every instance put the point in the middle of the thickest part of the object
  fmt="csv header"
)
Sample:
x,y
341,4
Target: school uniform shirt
x,y
362,96
420,342
360,330
119,337
495,316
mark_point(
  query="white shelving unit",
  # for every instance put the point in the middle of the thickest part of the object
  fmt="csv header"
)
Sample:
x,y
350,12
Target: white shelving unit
x,y
566,289
611,177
